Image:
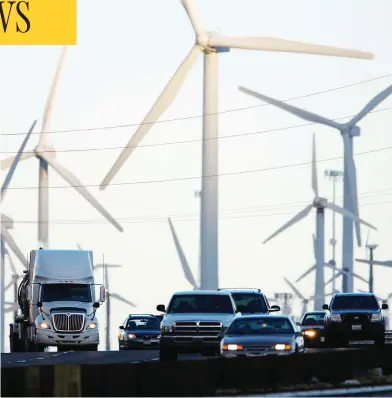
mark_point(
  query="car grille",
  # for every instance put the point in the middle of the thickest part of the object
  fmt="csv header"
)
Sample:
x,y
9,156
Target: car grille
x,y
68,322
355,318
258,348
204,328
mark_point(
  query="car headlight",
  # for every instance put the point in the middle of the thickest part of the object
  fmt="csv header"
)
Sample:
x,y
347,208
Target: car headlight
x,y
92,326
232,347
44,325
131,336
376,318
336,318
282,347
310,333
166,329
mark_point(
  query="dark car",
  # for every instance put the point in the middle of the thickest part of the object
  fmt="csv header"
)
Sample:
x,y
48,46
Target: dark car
x,y
354,317
312,328
259,335
251,301
139,332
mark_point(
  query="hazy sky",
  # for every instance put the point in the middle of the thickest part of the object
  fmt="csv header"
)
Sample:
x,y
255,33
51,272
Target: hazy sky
x,y
113,76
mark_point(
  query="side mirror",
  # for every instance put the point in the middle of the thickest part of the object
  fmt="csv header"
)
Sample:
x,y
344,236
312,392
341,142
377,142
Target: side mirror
x,y
102,294
384,306
275,308
298,323
298,334
161,308
325,307
121,327
96,305
29,293
39,304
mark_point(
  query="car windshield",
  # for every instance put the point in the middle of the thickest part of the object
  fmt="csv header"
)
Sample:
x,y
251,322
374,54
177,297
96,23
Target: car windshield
x,y
313,319
66,292
249,303
200,303
271,325
355,302
148,323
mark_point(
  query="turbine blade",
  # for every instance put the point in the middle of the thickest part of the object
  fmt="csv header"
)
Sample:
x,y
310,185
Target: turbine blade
x,y
193,15
12,265
184,262
314,168
295,290
121,298
345,213
306,273
7,162
360,277
165,99
12,307
282,45
362,261
367,238
15,162
13,246
302,214
108,265
76,183
371,105
6,222
303,114
387,263
8,285
79,247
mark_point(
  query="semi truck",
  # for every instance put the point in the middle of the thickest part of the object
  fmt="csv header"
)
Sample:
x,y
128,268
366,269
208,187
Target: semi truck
x,y
57,303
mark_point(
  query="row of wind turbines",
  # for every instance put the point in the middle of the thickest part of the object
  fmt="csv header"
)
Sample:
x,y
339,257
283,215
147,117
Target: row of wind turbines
x,y
210,44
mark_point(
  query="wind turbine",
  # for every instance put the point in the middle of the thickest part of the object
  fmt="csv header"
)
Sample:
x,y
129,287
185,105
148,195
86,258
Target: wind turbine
x,y
46,156
14,280
350,200
184,262
320,204
371,262
210,44
304,300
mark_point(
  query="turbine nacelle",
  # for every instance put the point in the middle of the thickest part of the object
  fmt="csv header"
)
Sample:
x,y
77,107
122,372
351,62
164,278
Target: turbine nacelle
x,y
319,202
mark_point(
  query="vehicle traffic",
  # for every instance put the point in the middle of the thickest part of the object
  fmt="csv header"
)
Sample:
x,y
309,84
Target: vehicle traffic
x,y
57,302
354,316
260,335
251,301
139,332
195,322
312,328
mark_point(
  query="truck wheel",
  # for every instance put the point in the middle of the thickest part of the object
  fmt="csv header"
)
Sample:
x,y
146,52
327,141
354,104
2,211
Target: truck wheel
x,y
166,354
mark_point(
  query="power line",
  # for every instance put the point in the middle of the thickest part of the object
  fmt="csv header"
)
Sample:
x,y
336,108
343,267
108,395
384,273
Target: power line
x,y
199,177
202,115
160,219
194,140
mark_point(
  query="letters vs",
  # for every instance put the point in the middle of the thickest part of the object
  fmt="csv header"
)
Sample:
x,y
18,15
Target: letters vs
x,y
11,10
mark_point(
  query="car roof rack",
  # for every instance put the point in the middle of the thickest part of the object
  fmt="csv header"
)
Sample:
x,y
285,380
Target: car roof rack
x,y
240,288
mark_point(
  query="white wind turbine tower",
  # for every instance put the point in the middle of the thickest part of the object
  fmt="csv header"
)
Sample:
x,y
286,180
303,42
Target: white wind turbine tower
x,y
320,204
46,156
210,44
350,200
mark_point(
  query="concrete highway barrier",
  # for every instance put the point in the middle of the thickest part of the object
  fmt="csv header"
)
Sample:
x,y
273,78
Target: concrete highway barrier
x,y
209,377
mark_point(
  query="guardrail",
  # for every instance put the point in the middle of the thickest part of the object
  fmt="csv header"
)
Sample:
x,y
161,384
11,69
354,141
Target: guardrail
x,y
210,377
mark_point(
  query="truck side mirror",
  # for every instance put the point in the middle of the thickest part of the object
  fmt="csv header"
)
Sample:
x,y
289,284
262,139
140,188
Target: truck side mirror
x,y
298,323
121,327
275,308
39,304
29,293
384,306
96,305
102,294
325,307
161,308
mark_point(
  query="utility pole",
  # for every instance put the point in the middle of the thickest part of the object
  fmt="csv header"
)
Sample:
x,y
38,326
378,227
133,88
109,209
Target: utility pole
x,y
371,276
334,175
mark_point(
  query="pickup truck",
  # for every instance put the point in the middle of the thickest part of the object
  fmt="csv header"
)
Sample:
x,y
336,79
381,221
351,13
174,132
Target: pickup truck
x,y
195,322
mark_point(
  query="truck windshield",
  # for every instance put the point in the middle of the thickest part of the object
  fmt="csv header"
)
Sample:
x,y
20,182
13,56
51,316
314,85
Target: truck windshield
x,y
249,303
66,292
200,303
355,302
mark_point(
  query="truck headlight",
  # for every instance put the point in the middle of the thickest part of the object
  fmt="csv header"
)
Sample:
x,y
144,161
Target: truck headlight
x,y
92,326
166,329
376,318
336,318
44,325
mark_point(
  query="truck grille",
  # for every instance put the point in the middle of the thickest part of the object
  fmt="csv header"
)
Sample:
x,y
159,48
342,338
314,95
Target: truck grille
x,y
204,328
68,322
355,318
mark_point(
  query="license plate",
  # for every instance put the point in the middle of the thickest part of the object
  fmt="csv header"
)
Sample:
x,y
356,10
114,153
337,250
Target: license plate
x,y
322,339
356,327
147,342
